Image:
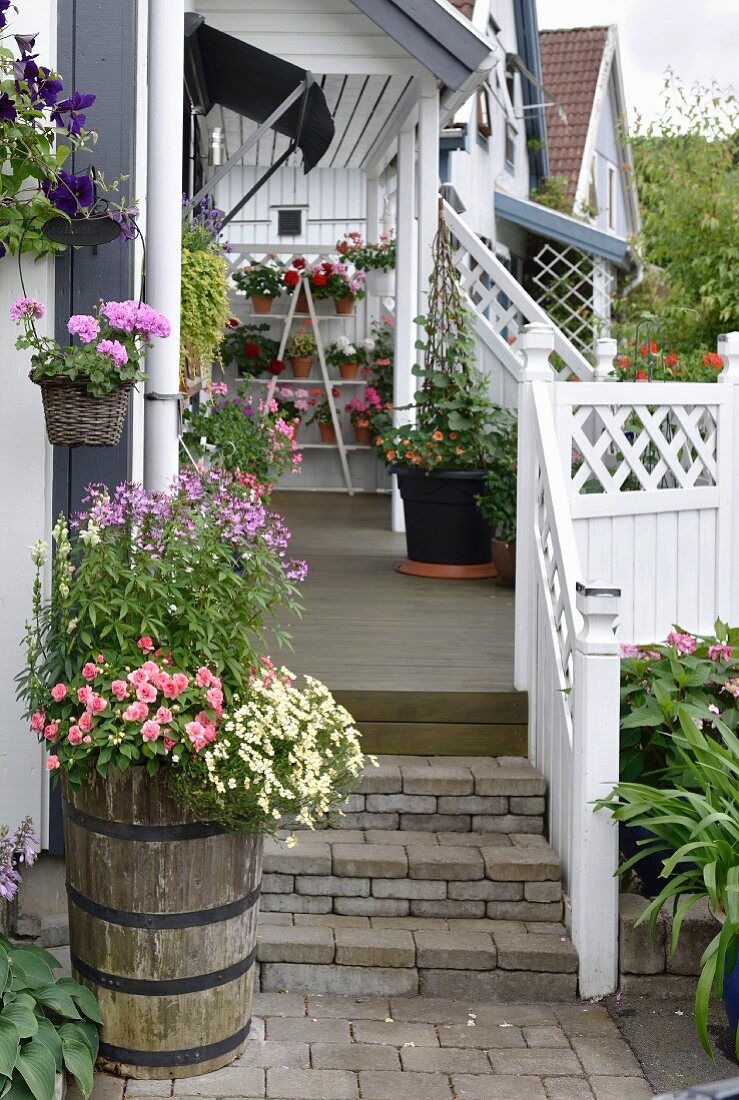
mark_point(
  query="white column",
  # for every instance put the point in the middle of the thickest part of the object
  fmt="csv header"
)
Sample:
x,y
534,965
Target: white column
x,y
372,232
728,464
594,854
164,234
537,343
605,353
428,187
602,282
406,300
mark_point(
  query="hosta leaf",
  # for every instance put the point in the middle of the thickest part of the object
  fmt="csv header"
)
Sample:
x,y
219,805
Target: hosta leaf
x,y
37,1067
9,1042
4,967
23,1018
58,999
18,1090
77,1059
86,1031
85,1000
32,969
49,1036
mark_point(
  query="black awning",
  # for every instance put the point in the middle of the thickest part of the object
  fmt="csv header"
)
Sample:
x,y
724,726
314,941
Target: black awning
x,y
221,69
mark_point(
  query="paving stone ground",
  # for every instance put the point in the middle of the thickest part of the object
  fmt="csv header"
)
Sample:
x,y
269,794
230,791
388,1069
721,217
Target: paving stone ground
x,y
413,1048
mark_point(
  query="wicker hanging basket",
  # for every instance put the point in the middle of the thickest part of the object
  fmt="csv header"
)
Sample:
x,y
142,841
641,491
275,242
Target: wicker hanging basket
x,y
77,418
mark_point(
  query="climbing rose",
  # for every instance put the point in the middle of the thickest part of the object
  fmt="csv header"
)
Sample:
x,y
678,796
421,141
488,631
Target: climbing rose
x,y
52,763
58,692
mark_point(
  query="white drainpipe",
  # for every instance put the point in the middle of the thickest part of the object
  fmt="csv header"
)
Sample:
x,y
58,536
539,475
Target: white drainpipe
x,y
164,236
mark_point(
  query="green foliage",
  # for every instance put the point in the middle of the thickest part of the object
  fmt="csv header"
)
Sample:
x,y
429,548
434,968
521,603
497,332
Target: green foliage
x,y
46,1025
301,344
263,279
499,504
695,675
205,306
250,348
366,255
553,191
698,822
688,179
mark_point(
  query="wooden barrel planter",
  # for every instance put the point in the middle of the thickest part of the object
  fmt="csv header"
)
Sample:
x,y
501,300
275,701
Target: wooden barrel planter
x,y
163,920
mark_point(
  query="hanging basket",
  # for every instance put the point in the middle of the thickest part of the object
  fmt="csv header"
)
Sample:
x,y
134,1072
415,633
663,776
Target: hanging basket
x,y
76,418
83,232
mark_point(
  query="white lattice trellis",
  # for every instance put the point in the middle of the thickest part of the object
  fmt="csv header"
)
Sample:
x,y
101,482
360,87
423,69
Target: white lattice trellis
x,y
566,278
557,596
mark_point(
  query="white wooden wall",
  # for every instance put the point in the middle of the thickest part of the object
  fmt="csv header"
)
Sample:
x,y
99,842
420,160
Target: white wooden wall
x,y
25,497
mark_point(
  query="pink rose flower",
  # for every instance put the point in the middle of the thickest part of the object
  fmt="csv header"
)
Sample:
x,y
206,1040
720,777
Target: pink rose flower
x,y
58,692
138,676
203,677
180,682
98,704
146,693
142,711
196,732
169,743
51,731
163,715
85,722
131,714
151,668
87,740
52,763
38,721
75,735
84,695
119,689
215,698
146,644
90,671
150,731
168,688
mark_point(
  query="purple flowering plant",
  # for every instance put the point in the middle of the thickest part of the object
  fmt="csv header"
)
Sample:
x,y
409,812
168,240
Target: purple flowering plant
x,y
17,849
42,125
110,344
693,673
203,571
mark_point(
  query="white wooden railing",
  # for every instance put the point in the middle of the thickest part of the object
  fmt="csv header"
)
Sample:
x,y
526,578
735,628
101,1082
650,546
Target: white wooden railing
x,y
635,483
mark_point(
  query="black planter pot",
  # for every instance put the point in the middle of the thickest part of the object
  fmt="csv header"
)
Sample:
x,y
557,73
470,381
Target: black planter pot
x,y
631,839
83,232
444,528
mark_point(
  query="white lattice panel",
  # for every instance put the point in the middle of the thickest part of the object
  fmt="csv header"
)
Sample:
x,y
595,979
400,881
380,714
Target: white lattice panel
x,y
565,277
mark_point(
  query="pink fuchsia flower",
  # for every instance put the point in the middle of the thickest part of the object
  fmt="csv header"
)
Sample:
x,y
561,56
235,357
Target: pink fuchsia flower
x,y
98,704
683,643
150,731
119,689
27,307
52,763
38,721
720,652
203,677
113,349
146,693
51,731
163,715
75,735
85,722
146,644
196,732
58,692
84,326
180,682
629,650
90,671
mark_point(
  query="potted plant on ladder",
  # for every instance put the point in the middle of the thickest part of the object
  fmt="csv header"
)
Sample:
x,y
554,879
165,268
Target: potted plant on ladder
x,y
441,459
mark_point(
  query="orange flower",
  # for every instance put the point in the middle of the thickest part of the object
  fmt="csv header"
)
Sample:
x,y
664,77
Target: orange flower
x,y
379,441
452,435
390,456
460,450
438,436
409,455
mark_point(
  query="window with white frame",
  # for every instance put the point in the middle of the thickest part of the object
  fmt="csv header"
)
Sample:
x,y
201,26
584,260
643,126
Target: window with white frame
x,y
612,198
484,112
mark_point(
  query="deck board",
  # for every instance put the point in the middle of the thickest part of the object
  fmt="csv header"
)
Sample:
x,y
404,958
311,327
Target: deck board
x,y
368,628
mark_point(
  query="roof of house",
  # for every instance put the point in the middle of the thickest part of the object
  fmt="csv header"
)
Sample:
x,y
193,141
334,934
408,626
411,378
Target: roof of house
x,y
570,61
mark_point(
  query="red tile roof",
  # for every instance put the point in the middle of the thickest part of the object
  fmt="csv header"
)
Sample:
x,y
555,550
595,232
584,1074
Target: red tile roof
x,y
570,62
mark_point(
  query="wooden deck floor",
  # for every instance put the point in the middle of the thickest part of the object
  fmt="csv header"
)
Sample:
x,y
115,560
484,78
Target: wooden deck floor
x,y
368,628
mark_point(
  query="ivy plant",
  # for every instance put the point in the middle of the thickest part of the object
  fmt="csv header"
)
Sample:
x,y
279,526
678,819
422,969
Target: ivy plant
x,y
47,1025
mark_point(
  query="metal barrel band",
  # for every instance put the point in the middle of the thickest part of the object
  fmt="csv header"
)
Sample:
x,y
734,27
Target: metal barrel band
x,y
165,987
185,1057
196,918
124,830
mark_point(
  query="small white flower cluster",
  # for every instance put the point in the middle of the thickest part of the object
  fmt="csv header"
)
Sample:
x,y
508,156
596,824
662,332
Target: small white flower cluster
x,y
285,751
345,346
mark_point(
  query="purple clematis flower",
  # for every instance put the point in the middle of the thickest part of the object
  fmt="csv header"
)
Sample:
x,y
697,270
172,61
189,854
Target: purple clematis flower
x,y
49,87
7,108
127,221
71,193
25,69
4,5
74,106
26,42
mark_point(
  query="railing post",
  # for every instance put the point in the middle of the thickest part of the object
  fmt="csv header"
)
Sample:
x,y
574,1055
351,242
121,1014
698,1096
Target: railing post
x,y
605,353
536,343
728,514
594,854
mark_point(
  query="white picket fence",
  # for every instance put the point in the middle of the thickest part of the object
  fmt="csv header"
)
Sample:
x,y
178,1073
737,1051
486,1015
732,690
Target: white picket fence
x,y
626,524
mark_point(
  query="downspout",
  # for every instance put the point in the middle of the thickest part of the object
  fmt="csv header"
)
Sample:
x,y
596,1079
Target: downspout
x,y
164,238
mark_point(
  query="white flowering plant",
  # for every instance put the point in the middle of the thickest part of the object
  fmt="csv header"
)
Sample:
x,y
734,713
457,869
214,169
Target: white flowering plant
x,y
342,350
284,756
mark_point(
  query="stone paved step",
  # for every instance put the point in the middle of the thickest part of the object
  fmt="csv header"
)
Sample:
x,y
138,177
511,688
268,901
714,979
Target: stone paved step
x,y
491,960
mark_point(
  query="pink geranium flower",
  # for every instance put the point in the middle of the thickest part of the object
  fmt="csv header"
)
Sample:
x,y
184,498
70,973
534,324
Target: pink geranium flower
x,y
52,763
58,692
150,731
27,307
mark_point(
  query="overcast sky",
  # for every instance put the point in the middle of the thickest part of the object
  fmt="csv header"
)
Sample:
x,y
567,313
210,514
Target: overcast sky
x,y
700,41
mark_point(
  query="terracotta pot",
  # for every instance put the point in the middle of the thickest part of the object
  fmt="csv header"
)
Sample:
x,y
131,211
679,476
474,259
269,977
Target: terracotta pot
x,y
261,303
344,305
504,560
349,370
328,434
301,365
363,435
302,304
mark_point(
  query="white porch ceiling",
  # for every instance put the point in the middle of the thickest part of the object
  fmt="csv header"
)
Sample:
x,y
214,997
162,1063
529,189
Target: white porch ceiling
x,y
360,106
